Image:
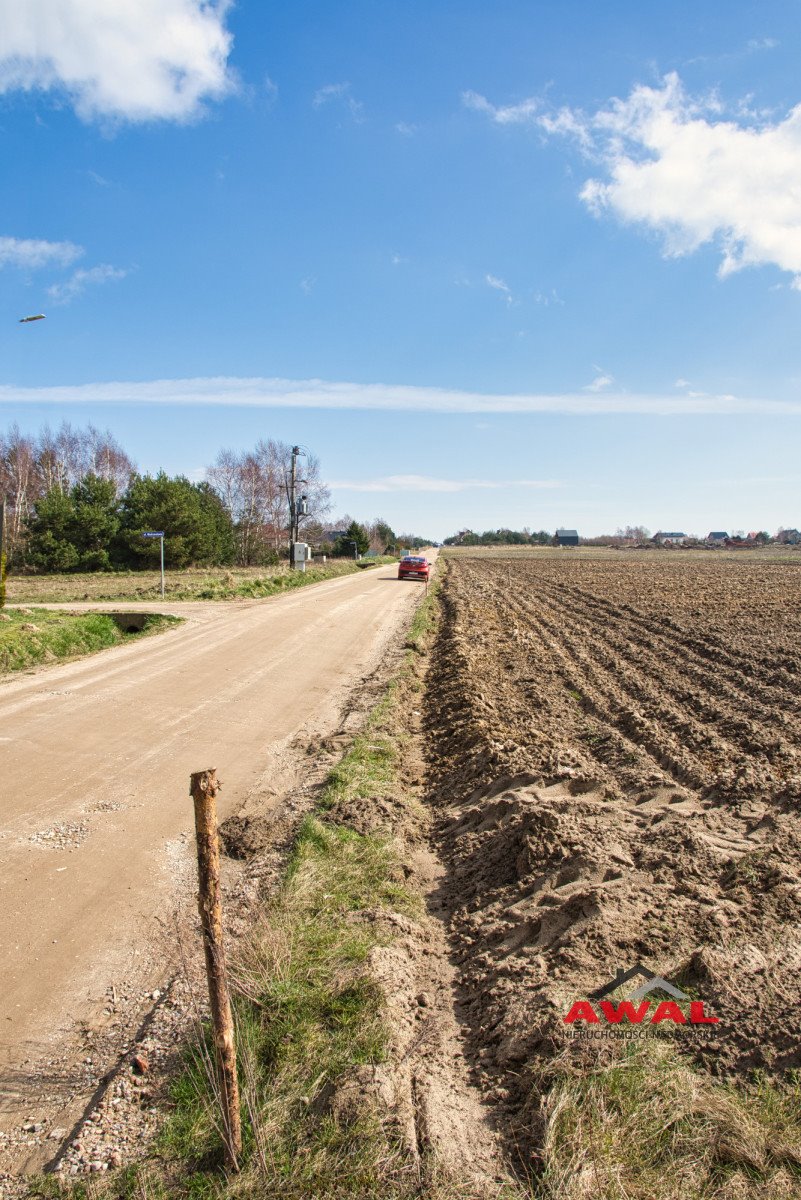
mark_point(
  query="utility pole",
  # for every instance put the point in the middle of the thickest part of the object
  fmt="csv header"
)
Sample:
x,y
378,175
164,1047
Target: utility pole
x,y
2,551
293,506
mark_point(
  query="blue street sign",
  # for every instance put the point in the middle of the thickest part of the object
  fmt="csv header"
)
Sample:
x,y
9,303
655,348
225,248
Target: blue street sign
x,y
160,534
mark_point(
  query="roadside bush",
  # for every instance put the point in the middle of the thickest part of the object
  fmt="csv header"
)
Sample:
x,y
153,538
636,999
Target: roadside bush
x,y
198,529
344,547
73,530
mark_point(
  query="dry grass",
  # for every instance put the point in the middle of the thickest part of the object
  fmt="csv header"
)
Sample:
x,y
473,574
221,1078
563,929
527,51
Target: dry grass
x,y
200,583
309,1015
650,1126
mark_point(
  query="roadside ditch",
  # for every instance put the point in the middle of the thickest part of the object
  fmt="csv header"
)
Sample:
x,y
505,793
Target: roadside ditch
x,y
353,1073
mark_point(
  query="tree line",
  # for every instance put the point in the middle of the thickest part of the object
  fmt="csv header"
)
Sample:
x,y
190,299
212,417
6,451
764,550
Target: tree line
x,y
629,535
500,537
75,501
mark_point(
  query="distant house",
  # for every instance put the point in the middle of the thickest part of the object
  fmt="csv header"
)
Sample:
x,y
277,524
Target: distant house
x,y
789,537
567,537
717,539
670,539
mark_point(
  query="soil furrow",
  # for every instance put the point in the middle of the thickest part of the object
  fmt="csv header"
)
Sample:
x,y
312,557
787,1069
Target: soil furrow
x,y
584,814
713,733
745,668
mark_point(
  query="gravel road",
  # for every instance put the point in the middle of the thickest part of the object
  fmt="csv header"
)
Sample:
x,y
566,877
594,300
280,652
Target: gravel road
x,y
96,827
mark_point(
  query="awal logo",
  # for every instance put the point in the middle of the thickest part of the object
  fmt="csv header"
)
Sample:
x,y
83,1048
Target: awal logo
x,y
636,1009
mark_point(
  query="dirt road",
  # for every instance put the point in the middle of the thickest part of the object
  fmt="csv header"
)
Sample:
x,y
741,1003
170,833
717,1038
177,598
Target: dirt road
x,y
96,823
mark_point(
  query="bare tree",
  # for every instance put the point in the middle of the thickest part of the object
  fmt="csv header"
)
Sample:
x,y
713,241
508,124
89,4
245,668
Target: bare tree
x,y
105,457
19,483
30,467
634,533
381,535
254,487
67,456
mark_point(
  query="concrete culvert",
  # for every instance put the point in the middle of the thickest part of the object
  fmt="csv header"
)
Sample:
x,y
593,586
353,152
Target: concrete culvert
x,y
129,622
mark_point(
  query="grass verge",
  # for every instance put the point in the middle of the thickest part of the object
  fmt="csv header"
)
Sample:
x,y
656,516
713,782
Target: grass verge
x,y
193,584
29,639
309,1016
649,1126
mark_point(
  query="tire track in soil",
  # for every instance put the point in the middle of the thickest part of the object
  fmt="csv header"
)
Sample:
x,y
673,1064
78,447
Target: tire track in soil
x,y
638,736
674,704
551,886
700,754
745,667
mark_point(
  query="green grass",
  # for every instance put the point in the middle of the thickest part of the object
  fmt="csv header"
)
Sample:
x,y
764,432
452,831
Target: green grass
x,y
29,639
309,1015
307,1012
202,583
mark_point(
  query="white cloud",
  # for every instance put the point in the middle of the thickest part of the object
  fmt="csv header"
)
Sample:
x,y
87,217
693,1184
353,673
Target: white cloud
x,y
425,483
752,46
601,381
511,114
321,394
546,299
676,165
63,293
500,286
270,90
33,253
405,129
307,284
339,93
134,60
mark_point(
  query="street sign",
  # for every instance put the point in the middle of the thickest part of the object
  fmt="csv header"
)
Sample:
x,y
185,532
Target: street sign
x,y
159,534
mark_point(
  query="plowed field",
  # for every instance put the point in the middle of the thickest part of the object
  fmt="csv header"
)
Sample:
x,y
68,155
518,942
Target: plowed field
x,y
617,778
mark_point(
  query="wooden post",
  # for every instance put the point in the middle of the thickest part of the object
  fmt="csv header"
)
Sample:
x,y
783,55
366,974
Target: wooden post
x,y
203,789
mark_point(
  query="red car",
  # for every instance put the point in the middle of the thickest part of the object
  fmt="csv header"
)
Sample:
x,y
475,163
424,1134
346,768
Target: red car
x,y
413,567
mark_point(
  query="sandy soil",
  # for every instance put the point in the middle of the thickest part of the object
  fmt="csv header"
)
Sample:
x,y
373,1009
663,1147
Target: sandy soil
x,y
96,825
616,773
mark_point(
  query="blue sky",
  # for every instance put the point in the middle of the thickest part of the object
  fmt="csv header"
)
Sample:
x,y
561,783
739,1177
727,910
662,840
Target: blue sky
x,y
496,264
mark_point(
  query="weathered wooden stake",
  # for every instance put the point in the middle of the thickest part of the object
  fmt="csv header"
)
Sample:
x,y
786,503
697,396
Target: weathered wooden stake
x,y
203,788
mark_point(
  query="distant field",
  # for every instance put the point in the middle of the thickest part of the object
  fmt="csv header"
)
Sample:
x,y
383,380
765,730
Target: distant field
x,y
219,583
768,554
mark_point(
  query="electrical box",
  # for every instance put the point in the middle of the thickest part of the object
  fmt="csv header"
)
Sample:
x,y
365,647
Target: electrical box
x,y
301,551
